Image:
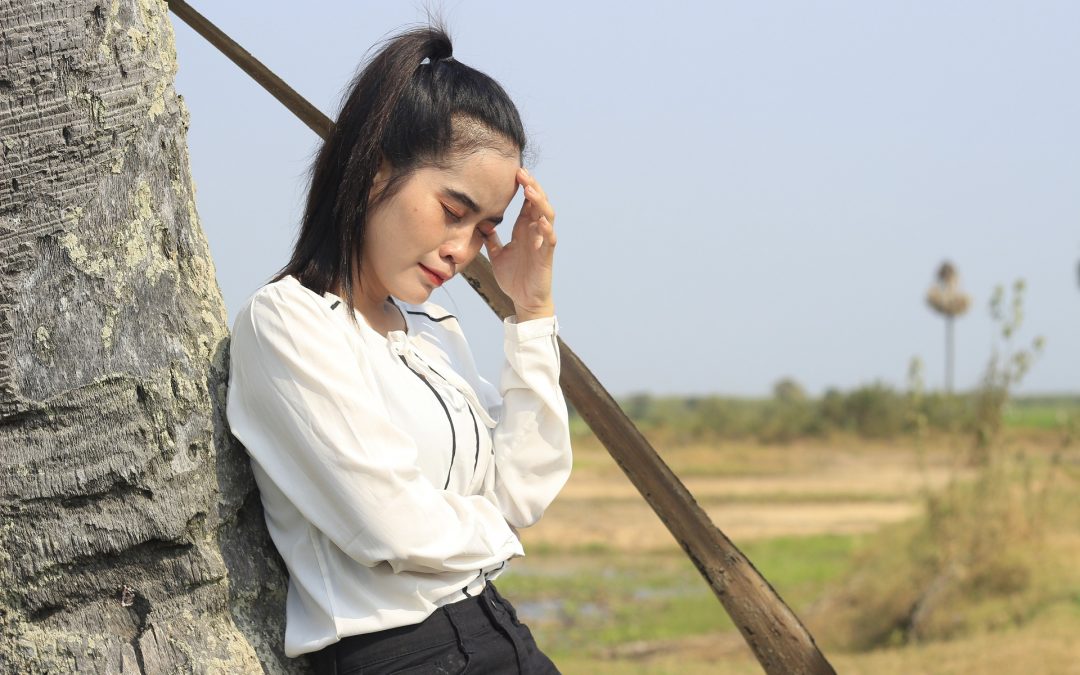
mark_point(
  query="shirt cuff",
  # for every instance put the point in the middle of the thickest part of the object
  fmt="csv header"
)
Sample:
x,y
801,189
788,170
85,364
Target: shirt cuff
x,y
528,330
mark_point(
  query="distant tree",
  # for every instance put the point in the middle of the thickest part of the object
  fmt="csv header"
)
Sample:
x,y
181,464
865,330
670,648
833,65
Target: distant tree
x,y
946,298
789,415
637,406
833,408
789,390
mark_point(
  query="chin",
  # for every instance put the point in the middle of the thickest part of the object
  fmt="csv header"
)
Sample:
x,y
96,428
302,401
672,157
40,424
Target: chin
x,y
414,297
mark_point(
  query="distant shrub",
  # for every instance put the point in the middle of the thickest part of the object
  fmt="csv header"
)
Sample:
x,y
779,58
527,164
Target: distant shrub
x,y
948,412
789,415
872,411
833,409
877,411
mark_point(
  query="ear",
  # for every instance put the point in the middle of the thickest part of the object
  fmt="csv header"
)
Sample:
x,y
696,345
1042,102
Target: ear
x,y
382,176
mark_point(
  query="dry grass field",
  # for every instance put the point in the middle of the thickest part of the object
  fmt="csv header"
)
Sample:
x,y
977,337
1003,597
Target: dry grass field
x,y
606,590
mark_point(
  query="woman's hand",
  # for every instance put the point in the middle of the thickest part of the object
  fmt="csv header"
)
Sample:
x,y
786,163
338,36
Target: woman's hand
x,y
523,266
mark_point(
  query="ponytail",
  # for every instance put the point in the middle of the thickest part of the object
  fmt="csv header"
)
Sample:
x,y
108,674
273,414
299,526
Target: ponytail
x,y
413,105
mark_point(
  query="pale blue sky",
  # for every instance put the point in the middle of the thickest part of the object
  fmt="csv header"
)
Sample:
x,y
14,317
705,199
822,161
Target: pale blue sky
x,y
745,191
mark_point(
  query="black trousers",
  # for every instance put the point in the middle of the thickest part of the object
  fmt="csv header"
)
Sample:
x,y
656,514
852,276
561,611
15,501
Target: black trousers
x,y
475,636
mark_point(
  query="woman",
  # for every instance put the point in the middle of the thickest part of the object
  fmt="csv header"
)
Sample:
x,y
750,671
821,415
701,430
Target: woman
x,y
391,474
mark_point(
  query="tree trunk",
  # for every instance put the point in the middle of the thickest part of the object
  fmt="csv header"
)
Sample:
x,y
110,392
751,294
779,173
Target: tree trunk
x,y
949,353
132,538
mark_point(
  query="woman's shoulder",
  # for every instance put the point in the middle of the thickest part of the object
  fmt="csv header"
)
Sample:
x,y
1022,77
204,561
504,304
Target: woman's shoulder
x,y
286,287
283,299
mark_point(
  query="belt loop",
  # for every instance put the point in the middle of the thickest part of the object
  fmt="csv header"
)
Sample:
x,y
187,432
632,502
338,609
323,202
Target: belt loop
x,y
502,601
495,601
451,615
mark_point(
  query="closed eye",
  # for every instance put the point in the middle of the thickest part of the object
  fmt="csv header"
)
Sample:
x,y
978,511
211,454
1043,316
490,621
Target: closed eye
x,y
450,214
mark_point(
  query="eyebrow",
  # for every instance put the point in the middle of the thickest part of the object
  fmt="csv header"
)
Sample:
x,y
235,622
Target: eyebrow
x,y
470,203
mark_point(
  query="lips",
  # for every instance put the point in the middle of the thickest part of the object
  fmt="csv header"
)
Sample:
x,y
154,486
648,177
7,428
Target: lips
x,y
435,277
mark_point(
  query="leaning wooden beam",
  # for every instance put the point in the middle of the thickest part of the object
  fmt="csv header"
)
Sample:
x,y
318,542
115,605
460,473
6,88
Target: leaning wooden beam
x,y
777,637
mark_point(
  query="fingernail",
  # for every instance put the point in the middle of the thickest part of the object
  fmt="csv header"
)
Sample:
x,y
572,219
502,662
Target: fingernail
x,y
524,171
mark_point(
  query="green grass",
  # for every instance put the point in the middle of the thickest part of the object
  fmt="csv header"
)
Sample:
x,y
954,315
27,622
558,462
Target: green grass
x,y
873,412
800,567
578,602
1041,412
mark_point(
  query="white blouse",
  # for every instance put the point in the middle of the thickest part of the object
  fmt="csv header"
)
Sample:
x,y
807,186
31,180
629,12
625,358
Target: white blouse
x,y
391,474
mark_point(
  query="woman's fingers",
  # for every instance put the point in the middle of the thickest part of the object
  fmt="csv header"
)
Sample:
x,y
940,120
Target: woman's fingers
x,y
535,198
547,231
528,179
523,266
539,203
541,233
493,244
537,215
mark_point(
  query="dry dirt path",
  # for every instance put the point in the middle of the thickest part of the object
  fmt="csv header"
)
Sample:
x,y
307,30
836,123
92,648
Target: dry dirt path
x,y
750,493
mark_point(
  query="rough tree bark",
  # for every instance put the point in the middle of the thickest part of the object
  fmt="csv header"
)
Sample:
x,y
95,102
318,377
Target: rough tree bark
x,y
131,536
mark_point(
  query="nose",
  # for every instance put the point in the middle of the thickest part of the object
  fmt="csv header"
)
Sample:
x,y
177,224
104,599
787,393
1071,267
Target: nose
x,y
458,246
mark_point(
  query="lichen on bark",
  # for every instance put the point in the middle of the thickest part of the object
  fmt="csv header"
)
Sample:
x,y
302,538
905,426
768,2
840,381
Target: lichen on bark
x,y
131,537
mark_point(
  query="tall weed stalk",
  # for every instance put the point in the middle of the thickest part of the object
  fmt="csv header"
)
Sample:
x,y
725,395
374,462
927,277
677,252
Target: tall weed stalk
x,y
971,558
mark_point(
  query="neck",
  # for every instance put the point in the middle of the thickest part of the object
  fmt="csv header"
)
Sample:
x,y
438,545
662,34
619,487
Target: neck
x,y
373,302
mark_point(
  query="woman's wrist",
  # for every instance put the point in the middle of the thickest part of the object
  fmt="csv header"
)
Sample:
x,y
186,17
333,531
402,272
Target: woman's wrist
x,y
530,313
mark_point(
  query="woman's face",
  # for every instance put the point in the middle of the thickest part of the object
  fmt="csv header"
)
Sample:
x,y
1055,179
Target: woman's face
x,y
434,225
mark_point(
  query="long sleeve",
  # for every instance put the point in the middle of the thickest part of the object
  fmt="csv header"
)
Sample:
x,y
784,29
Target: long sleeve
x,y
532,439
310,416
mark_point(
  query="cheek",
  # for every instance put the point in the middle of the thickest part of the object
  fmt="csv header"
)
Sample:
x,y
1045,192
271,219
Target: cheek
x,y
475,246
408,232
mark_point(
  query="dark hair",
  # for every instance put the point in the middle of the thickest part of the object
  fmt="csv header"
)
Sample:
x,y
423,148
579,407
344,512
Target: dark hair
x,y
414,105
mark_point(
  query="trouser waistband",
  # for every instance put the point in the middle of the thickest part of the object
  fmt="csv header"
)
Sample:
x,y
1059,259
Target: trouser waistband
x,y
453,622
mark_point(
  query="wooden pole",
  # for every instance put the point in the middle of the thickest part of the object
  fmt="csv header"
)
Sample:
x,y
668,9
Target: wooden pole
x,y
778,639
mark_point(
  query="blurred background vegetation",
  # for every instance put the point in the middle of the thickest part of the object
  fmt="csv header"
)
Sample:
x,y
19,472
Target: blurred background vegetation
x,y
913,531
872,411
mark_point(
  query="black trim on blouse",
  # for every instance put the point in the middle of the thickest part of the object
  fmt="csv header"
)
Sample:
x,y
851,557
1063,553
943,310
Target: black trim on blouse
x,y
453,432
476,432
441,318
